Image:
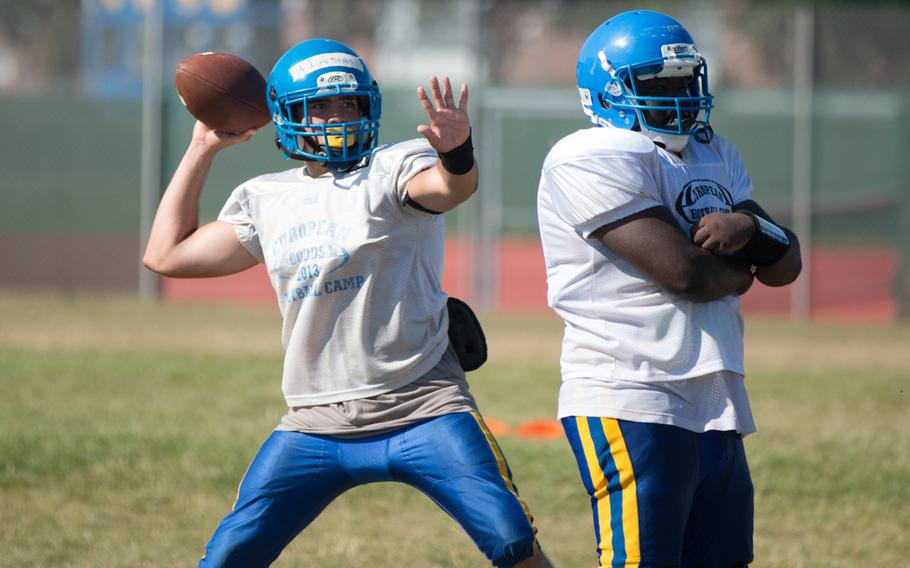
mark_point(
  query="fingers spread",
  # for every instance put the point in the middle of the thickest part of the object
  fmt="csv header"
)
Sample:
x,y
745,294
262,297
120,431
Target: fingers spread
x,y
437,95
449,97
443,96
425,103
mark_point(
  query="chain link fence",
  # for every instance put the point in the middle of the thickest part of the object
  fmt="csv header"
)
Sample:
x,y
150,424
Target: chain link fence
x,y
814,95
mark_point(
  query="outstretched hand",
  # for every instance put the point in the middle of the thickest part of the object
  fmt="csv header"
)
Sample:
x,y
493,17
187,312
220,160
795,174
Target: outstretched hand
x,y
449,124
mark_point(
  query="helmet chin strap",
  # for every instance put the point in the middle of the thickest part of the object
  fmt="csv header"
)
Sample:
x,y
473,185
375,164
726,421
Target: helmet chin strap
x,y
677,142
671,142
333,166
343,167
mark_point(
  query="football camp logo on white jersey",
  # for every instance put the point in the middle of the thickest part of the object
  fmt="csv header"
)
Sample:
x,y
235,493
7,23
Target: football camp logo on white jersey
x,y
701,197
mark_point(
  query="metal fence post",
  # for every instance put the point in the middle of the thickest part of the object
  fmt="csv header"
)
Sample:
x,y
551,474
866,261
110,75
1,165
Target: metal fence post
x,y
803,163
489,237
902,270
152,115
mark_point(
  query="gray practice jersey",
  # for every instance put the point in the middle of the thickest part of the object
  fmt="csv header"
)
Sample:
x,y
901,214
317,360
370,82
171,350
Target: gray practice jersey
x,y
356,273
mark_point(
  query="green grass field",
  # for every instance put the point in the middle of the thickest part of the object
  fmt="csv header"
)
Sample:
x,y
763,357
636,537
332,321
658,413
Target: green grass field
x,y
125,428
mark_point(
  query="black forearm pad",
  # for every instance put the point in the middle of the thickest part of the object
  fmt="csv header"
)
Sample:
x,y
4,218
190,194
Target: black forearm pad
x,y
769,242
460,160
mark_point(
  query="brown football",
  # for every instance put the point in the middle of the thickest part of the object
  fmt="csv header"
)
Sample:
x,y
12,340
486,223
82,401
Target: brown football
x,y
222,90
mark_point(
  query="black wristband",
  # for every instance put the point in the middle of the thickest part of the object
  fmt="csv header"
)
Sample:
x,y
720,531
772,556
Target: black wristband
x,y
460,160
769,243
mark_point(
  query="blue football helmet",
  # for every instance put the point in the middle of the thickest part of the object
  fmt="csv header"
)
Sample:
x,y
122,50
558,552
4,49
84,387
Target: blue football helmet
x,y
626,51
322,68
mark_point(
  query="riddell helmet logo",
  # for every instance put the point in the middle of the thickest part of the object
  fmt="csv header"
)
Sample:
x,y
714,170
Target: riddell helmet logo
x,y
700,197
674,50
336,78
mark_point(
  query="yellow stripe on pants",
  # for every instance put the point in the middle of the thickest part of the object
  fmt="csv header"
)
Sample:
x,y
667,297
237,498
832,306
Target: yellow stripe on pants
x,y
605,538
504,472
627,482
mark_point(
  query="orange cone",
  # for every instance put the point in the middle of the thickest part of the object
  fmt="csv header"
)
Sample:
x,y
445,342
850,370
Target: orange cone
x,y
540,429
497,427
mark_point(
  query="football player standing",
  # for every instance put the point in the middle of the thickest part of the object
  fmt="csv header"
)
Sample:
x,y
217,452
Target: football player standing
x,y
353,244
650,235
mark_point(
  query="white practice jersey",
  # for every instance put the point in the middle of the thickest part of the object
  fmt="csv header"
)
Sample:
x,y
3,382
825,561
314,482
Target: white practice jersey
x,y
631,349
357,274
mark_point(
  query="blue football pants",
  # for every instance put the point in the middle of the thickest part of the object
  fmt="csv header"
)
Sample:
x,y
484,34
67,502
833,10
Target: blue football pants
x,y
663,496
453,459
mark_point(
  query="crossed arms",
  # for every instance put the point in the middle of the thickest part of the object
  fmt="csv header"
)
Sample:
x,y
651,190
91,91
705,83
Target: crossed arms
x,y
701,269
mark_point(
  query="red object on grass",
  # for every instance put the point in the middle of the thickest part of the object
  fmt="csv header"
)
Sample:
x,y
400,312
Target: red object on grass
x,y
539,429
